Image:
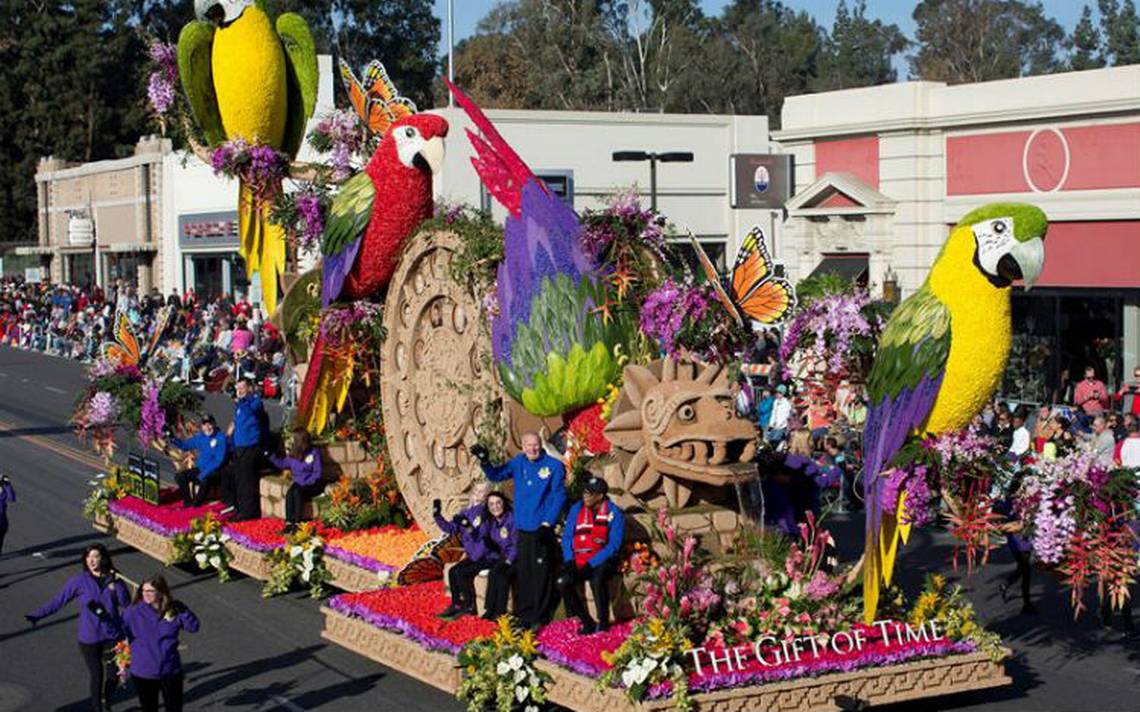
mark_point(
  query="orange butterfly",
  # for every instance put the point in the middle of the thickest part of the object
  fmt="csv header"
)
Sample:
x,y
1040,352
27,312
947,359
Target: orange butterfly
x,y
375,99
756,293
427,563
124,350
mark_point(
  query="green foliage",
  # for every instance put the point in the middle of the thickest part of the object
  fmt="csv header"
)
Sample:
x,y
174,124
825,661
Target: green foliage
x,y
1120,28
498,671
301,559
1084,44
481,245
859,51
965,41
360,503
826,284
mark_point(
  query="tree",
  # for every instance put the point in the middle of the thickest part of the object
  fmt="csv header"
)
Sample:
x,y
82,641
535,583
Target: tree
x,y
1084,44
654,44
858,52
980,40
1120,26
489,69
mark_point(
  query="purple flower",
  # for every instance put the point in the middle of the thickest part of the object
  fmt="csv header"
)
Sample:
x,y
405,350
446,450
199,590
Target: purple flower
x,y
152,416
160,92
102,410
312,218
827,330
101,369
338,133
163,77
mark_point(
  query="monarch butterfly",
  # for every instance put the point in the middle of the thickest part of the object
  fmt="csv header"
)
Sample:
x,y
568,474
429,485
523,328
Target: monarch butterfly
x,y
428,561
756,293
124,350
375,98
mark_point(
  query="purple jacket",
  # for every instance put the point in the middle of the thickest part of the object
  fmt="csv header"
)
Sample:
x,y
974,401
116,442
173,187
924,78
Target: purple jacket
x,y
154,640
503,537
306,470
109,592
7,494
474,537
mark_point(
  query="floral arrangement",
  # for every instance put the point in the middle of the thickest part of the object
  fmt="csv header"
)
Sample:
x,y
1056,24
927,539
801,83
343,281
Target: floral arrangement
x,y
302,214
121,654
630,242
638,556
152,417
1081,515
500,670
105,489
360,503
340,134
260,535
163,78
167,519
205,545
687,321
652,655
259,166
950,607
301,558
680,590
384,550
480,247
839,331
561,642
412,611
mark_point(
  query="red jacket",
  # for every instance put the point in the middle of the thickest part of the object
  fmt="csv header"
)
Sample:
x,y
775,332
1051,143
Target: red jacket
x,y
591,532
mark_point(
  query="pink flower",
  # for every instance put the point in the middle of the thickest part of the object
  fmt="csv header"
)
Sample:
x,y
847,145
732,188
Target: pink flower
x,y
690,546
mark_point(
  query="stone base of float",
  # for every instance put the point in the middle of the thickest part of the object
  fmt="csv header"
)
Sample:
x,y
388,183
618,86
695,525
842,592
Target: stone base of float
x,y
151,543
103,524
351,578
915,680
254,564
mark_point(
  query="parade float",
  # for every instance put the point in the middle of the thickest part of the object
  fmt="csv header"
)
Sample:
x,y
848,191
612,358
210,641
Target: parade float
x,y
428,330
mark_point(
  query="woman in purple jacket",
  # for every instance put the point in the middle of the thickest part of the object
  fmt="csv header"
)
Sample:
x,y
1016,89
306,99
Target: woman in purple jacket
x,y
7,494
152,625
102,599
472,526
304,463
503,538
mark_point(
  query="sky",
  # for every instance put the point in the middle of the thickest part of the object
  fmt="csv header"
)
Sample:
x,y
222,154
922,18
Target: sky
x,y
1066,12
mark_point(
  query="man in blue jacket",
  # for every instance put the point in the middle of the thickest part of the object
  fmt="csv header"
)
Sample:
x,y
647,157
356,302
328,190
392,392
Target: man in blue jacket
x,y
540,494
209,447
248,431
591,540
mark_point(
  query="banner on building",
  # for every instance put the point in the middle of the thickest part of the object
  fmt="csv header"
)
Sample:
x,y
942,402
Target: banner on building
x,y
761,181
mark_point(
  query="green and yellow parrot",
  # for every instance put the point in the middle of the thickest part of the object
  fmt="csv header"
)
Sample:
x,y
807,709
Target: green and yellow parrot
x,y
247,77
941,356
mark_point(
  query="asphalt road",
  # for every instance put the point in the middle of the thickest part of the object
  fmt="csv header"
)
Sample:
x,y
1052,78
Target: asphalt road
x,y
251,654
264,655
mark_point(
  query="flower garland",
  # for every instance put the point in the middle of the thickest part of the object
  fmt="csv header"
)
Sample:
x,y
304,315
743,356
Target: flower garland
x,y
163,78
106,488
500,670
562,643
340,134
260,167
413,611
121,654
167,519
152,418
205,545
302,558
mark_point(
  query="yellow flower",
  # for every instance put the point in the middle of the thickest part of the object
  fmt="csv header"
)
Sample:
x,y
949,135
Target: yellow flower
x,y
938,581
527,646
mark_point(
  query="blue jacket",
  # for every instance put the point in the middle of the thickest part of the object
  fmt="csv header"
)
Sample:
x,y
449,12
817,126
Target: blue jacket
x,y
764,410
7,494
540,489
250,420
473,537
306,471
209,452
154,640
110,592
614,536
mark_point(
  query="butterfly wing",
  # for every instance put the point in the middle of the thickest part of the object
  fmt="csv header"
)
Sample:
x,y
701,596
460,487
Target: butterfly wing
x,y
124,350
755,290
770,301
714,279
448,550
753,264
420,570
160,324
356,92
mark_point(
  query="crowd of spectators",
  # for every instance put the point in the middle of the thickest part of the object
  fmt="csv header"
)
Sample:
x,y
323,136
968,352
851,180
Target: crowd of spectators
x,y
209,343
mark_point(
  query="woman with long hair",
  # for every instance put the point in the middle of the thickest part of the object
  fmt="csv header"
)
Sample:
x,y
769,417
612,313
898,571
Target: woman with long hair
x,y
102,599
304,463
152,624
503,540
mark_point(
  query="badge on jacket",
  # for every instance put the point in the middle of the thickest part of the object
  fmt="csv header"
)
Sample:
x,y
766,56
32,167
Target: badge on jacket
x,y
309,459
503,533
544,472
213,442
476,522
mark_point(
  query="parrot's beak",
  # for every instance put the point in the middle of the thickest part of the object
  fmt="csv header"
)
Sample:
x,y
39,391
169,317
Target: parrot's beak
x,y
1024,260
220,12
431,154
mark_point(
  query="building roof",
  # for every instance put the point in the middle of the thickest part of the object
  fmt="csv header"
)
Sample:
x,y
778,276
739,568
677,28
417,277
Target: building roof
x,y
839,194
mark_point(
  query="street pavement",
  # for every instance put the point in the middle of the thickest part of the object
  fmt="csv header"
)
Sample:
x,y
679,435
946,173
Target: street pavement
x,y
256,654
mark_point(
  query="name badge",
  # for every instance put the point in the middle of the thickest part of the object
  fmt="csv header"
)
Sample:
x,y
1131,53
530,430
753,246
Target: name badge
x,y
503,533
544,473
213,442
309,459
476,521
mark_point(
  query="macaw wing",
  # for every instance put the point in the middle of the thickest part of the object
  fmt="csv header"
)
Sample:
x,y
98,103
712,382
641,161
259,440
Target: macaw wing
x,y
195,66
902,388
348,217
302,76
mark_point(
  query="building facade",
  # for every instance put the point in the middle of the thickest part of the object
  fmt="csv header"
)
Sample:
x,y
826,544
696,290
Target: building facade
x,y
883,172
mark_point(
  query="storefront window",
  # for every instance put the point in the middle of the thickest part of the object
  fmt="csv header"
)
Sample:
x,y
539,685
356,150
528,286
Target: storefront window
x,y
217,274
124,266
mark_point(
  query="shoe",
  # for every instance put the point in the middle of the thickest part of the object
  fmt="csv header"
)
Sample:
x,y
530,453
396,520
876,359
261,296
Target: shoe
x,y
588,628
490,617
1029,609
603,627
289,528
228,510
466,611
450,613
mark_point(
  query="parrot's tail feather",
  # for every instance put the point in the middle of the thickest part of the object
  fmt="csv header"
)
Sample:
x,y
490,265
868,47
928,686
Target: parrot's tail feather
x,y
262,244
325,388
312,378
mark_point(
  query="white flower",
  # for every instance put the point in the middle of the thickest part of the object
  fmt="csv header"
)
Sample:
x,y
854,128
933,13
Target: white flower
x,y
201,559
531,708
197,536
502,668
296,551
215,561
520,675
521,693
516,662
384,576
638,671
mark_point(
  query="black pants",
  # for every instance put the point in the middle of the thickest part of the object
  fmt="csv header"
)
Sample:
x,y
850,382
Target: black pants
x,y
186,478
247,461
538,562
170,687
1021,572
295,498
3,533
461,581
103,675
599,580
499,581
228,489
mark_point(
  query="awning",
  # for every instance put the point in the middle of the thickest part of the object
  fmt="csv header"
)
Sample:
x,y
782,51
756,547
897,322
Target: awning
x,y
130,247
35,250
852,268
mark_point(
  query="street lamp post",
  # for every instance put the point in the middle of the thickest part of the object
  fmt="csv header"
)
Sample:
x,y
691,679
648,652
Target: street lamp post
x,y
653,158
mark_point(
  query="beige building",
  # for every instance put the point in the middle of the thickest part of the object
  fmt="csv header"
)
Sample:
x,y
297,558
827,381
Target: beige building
x,y
101,221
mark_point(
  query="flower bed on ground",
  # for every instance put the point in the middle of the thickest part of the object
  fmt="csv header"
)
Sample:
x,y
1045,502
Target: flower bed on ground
x,y
167,519
265,534
562,643
382,549
411,611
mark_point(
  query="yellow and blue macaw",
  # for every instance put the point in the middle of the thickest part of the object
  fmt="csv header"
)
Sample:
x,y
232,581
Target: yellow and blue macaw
x,y
247,77
941,356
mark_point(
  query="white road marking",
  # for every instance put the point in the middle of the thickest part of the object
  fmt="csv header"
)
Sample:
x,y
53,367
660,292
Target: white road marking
x,y
53,389
286,704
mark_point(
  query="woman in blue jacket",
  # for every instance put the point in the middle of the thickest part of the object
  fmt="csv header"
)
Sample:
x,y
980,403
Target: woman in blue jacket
x,y
102,598
304,463
152,625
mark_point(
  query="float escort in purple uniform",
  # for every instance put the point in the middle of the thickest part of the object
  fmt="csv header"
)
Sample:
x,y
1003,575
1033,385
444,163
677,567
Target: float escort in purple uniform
x,y
7,494
504,537
154,640
109,592
306,470
473,538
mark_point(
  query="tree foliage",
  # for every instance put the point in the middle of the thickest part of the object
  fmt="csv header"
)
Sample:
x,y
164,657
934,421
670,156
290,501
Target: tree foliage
x,y
858,51
962,41
1084,44
1120,29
